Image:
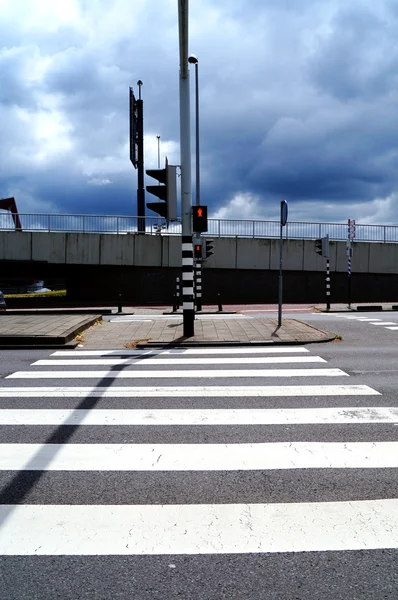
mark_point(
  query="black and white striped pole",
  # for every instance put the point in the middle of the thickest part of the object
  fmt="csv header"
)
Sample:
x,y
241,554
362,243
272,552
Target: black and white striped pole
x,y
327,284
198,284
349,273
186,184
177,292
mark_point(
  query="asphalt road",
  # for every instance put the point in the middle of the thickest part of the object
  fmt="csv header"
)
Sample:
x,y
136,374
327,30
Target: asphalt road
x,y
42,556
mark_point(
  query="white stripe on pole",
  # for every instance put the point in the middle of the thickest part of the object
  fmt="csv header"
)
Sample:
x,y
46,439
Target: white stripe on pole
x,y
170,374
254,360
214,416
198,457
192,529
206,391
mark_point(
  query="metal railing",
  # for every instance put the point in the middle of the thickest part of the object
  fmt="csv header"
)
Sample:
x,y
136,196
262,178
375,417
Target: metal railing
x,y
243,228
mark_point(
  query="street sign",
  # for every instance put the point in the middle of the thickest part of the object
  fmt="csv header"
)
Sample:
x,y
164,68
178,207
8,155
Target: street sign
x,y
351,229
284,211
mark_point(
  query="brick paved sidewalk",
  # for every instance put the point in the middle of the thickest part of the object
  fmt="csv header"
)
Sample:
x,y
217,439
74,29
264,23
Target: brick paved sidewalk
x,y
122,334
40,329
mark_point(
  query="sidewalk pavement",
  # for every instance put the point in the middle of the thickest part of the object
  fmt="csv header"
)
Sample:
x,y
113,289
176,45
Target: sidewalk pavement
x,y
42,330
209,331
91,332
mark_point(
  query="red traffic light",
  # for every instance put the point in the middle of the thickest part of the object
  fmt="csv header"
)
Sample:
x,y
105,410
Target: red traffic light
x,y
199,218
197,251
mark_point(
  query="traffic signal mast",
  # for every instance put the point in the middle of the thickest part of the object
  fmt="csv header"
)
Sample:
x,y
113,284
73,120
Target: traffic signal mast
x,y
167,193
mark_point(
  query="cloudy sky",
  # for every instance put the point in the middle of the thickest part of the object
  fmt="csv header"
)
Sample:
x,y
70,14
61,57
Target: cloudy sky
x,y
298,101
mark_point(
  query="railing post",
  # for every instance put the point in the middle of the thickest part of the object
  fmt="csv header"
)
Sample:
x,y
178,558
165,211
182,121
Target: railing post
x,y
49,224
117,225
219,227
84,226
254,224
384,229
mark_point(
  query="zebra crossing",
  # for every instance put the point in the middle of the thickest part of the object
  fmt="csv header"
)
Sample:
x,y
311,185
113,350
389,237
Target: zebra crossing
x,y
115,467
391,325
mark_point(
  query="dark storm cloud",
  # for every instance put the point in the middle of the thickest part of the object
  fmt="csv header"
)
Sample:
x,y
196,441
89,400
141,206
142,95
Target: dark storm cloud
x,y
298,100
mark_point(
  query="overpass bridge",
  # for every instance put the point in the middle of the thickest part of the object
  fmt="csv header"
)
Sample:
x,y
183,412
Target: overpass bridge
x,y
102,256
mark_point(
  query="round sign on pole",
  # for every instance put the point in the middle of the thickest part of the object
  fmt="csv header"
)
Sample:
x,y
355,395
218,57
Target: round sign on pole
x,y
284,212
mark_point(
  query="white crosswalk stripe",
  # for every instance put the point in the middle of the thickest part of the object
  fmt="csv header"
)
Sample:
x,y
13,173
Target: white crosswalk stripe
x,y
206,431
258,360
208,374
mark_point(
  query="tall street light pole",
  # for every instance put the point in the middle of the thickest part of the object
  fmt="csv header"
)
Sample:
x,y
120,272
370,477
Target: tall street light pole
x,y
186,184
193,60
158,137
140,187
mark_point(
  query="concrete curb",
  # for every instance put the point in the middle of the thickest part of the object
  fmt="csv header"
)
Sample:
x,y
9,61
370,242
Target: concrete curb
x,y
68,346
358,308
215,344
28,342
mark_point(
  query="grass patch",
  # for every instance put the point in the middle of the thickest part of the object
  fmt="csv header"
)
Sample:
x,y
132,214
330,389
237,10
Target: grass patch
x,y
132,345
56,294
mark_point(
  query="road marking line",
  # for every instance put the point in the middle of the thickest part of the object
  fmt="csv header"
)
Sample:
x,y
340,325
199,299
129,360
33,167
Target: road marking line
x,y
385,323
98,530
179,361
183,351
257,416
198,457
392,328
208,374
213,391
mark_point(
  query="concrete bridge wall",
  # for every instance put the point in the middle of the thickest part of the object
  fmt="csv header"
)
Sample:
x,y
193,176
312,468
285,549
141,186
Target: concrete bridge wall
x,y
143,268
165,251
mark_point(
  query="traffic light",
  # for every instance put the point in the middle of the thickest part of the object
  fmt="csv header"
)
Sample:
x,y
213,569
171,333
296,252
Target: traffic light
x,y
208,248
197,251
199,218
318,246
322,246
167,193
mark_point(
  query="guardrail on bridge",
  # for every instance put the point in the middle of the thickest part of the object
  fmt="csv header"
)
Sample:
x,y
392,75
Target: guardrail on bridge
x,y
247,228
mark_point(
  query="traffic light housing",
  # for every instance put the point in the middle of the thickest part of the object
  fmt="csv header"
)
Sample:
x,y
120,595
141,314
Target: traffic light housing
x,y
197,251
199,218
322,246
208,248
167,193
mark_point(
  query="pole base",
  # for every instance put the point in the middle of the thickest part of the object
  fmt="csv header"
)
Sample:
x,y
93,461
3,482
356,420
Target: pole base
x,y
188,323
